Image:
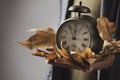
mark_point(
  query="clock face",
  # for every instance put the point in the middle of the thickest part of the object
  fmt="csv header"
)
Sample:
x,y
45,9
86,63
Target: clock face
x,y
73,35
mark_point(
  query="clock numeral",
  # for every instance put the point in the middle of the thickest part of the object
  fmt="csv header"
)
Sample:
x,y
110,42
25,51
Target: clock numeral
x,y
85,39
66,31
85,33
74,46
63,37
83,45
64,43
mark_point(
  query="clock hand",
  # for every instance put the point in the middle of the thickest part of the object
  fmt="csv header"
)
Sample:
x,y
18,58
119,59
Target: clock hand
x,y
75,32
71,30
75,25
73,35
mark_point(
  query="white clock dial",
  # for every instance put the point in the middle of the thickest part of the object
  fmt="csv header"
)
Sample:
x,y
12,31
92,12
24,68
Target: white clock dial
x,y
74,36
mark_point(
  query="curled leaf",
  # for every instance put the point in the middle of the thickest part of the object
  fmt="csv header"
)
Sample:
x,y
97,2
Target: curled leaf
x,y
45,54
105,28
82,58
65,53
42,39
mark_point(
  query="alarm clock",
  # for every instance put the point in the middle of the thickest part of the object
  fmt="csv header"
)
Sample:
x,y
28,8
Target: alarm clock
x,y
79,32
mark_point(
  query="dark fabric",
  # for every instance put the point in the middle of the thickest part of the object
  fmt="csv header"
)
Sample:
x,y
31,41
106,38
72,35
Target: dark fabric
x,y
112,73
104,74
115,70
111,10
60,73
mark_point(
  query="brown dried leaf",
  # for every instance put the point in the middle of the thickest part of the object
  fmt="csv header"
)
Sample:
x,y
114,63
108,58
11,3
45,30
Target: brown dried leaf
x,y
105,28
112,47
91,60
78,58
82,58
65,53
88,53
46,55
43,38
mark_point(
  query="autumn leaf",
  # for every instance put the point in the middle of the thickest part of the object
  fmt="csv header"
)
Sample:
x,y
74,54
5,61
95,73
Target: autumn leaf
x,y
105,28
42,39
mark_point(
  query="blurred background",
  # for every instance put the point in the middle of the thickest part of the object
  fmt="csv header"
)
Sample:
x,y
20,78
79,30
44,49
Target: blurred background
x,y
16,17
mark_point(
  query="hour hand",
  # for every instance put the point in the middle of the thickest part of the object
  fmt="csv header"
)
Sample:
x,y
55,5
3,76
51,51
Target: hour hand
x,y
71,30
75,31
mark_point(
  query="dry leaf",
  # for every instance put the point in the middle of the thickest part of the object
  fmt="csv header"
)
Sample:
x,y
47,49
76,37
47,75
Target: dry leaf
x,y
105,28
77,58
65,53
82,58
88,53
42,39
45,54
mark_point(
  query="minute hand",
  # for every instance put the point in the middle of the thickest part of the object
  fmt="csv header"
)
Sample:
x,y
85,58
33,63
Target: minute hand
x,y
71,30
75,31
